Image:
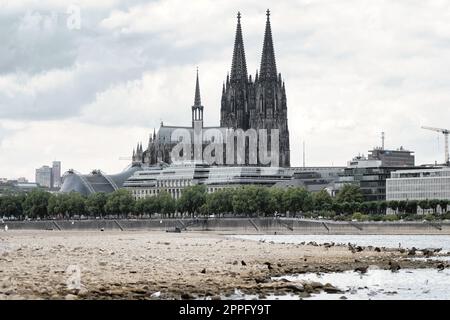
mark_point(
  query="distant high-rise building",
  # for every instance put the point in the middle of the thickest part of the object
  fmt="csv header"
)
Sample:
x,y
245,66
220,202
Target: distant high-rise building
x,y
370,173
56,174
49,177
393,158
44,176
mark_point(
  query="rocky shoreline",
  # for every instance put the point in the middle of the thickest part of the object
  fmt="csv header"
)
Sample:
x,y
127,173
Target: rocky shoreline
x,y
151,265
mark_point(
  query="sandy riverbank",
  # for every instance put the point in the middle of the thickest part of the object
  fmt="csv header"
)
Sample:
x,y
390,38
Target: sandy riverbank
x,y
118,265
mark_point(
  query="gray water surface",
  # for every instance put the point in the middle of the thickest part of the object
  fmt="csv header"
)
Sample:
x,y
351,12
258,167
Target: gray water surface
x,y
407,284
388,241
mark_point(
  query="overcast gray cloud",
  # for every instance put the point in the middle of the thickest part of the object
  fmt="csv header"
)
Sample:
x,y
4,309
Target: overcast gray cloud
x,y
353,68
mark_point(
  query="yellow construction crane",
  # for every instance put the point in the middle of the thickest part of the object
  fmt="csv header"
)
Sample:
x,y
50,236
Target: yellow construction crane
x,y
445,132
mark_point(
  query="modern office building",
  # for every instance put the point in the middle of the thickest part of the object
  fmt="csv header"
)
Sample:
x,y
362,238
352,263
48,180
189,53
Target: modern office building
x,y
313,179
370,174
393,158
49,177
56,174
419,184
44,177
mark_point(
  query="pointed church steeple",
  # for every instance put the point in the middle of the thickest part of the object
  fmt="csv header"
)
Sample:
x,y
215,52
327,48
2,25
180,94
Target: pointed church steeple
x,y
239,64
268,70
197,108
197,99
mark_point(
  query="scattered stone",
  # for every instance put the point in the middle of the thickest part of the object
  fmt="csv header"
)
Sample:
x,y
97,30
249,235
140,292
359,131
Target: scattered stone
x,y
243,263
316,285
427,253
394,266
440,266
187,296
412,251
262,280
377,249
235,262
296,287
203,271
343,298
139,291
329,288
362,269
269,265
70,297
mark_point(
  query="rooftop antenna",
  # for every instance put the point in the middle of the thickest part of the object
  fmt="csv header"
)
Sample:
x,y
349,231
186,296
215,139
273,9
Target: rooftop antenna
x,y
304,161
382,140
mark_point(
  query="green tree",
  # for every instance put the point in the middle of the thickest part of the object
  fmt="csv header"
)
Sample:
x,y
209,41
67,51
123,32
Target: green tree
x,y
424,204
411,207
36,203
76,204
11,206
58,204
336,207
298,200
166,203
364,207
148,205
350,193
192,199
276,200
381,207
444,205
434,204
244,201
95,204
322,200
393,205
264,203
120,202
402,205
220,202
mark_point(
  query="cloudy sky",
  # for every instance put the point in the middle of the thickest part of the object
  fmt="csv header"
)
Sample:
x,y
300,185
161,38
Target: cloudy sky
x,y
87,95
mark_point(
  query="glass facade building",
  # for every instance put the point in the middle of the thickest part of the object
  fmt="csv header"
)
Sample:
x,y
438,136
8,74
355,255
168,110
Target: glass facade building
x,y
419,184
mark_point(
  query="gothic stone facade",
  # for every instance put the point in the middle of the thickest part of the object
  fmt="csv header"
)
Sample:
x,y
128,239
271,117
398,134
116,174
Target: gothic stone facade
x,y
246,103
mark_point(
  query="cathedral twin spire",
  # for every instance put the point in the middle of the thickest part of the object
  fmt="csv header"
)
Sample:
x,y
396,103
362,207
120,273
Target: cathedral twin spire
x,y
239,64
268,69
258,103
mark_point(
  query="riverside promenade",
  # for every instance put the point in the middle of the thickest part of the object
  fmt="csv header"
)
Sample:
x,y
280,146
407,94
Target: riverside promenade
x,y
238,226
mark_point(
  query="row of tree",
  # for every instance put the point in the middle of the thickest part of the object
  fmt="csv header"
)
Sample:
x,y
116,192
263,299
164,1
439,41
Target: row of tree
x,y
248,201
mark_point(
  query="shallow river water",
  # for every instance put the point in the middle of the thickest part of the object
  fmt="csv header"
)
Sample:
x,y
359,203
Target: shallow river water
x,y
407,284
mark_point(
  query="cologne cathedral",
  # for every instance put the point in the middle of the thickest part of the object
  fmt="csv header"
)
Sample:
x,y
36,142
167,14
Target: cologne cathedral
x,y
247,103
